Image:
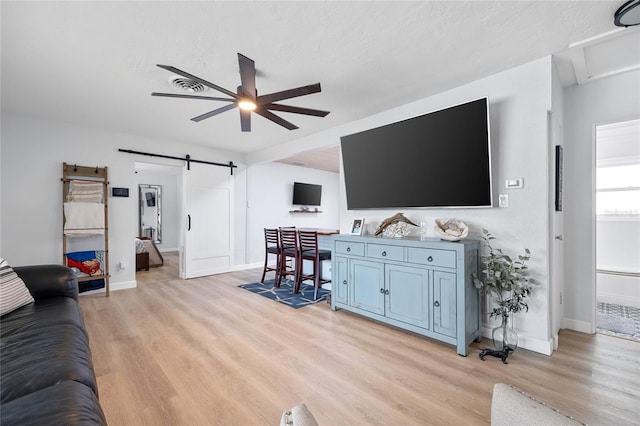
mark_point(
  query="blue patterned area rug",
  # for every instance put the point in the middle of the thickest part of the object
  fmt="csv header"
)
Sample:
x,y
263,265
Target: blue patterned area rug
x,y
285,294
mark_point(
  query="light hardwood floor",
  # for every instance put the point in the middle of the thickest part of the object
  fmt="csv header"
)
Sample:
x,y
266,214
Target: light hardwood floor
x,y
205,352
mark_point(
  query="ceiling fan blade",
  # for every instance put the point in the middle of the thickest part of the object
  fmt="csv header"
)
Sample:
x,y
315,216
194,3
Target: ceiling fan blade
x,y
296,110
247,75
245,120
175,95
271,116
198,79
288,94
214,112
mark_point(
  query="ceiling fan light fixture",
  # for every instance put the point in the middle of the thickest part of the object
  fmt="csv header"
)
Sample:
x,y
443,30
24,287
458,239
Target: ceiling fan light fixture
x,y
246,104
628,14
246,98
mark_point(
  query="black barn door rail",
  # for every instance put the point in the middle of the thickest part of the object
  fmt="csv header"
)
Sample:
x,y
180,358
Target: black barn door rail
x,y
187,158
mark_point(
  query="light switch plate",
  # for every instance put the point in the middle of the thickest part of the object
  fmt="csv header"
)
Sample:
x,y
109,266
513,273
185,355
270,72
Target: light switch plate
x,y
503,200
514,183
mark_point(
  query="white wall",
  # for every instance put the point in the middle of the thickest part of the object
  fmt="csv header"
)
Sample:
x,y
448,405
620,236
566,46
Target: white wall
x,y
269,196
603,101
556,218
519,100
169,206
33,151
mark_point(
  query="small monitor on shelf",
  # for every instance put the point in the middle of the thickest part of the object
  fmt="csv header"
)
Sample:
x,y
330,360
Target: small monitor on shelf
x,y
306,194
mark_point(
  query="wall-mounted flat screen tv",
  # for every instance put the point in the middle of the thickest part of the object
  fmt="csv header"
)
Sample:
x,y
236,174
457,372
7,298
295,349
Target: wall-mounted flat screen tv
x,y
439,159
306,194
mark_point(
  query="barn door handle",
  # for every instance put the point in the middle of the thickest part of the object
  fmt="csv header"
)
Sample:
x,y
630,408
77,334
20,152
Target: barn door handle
x,y
188,222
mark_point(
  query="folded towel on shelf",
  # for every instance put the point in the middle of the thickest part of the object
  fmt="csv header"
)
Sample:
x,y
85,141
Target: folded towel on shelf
x,y
83,219
85,191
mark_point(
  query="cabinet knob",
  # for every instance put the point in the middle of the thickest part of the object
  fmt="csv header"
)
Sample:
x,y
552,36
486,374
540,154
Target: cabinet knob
x,y
386,292
384,253
382,290
348,249
430,259
436,304
344,282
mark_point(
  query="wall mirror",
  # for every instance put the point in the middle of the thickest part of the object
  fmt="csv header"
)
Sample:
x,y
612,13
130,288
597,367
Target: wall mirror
x,y
150,223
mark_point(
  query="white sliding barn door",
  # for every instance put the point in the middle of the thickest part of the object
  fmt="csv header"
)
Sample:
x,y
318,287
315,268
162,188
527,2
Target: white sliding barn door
x,y
209,220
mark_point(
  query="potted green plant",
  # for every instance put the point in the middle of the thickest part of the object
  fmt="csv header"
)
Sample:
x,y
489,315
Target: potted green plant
x,y
507,281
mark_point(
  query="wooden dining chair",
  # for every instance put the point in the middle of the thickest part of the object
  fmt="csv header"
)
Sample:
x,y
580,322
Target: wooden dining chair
x,y
271,246
308,246
289,251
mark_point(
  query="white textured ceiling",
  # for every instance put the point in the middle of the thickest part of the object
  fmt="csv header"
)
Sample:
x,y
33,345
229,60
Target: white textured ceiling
x,y
94,62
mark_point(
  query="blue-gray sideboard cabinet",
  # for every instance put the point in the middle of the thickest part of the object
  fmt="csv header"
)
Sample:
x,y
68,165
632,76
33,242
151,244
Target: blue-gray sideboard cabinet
x,y
423,286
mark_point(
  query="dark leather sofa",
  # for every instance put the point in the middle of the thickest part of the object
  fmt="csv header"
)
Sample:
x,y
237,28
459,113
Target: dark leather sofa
x,y
46,372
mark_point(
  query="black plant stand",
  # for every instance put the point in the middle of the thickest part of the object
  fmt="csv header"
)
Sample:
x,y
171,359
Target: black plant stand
x,y
502,354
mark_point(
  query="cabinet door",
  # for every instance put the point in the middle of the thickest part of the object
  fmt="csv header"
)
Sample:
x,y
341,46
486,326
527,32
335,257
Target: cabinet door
x,y
340,280
366,287
444,303
407,295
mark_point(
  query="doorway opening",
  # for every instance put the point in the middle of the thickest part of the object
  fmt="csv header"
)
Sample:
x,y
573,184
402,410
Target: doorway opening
x,y
158,215
617,189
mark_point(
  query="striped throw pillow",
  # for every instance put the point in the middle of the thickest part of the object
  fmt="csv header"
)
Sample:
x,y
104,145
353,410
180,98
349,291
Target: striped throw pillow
x,y
13,291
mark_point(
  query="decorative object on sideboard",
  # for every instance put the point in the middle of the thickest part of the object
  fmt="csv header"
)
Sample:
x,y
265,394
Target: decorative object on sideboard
x,y
395,219
396,230
357,226
451,229
507,281
423,230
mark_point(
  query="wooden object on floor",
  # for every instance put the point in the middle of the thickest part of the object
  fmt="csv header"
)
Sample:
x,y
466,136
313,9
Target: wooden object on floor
x,y
423,286
271,246
289,251
87,175
142,261
203,351
309,250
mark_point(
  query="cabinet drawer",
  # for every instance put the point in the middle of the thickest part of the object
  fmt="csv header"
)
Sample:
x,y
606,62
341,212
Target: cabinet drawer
x,y
433,257
347,247
383,251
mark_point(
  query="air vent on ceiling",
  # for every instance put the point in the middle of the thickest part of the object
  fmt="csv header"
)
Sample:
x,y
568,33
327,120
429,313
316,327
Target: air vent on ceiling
x,y
187,84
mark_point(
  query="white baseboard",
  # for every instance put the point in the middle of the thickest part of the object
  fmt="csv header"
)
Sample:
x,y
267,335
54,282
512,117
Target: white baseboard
x,y
166,249
617,299
246,266
227,269
526,342
123,285
581,326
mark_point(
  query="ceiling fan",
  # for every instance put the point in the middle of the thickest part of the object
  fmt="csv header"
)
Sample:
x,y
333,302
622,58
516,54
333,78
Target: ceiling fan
x,y
247,99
